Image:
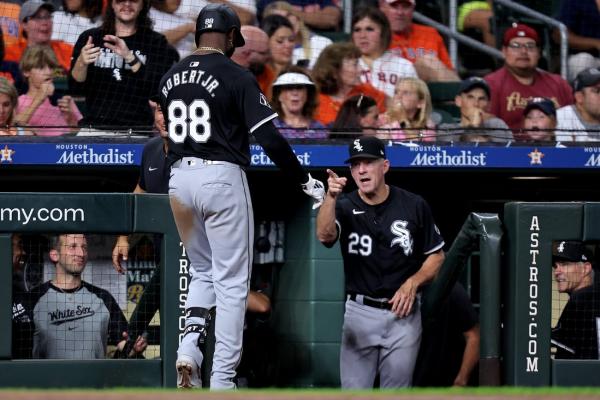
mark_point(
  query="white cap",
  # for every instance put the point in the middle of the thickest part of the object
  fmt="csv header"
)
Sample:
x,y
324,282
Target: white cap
x,y
293,78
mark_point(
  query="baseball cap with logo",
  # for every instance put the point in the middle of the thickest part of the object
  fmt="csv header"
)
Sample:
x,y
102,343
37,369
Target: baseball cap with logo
x,y
30,7
573,251
586,78
520,31
541,103
366,147
474,82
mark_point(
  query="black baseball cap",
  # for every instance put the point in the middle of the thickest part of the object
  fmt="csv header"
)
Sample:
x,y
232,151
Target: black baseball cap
x,y
541,103
366,147
216,17
573,251
587,77
474,82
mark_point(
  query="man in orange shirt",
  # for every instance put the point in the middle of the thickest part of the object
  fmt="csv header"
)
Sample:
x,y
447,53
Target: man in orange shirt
x,y
36,21
255,55
420,44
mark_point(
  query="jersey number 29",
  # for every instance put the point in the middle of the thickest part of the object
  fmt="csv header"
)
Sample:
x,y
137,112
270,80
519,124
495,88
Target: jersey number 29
x,y
192,120
362,244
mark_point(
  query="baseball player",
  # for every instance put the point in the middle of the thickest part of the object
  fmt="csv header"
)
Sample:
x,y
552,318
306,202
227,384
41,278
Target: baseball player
x,y
211,107
391,247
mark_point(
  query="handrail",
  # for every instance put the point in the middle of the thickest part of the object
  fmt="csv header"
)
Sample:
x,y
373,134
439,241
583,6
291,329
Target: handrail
x,y
564,45
348,11
459,37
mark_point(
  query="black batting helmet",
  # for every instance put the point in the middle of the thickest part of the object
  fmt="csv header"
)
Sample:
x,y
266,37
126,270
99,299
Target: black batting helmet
x,y
219,18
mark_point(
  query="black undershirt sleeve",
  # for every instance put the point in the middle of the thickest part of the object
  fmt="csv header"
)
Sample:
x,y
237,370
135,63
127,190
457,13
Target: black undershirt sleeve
x,y
280,151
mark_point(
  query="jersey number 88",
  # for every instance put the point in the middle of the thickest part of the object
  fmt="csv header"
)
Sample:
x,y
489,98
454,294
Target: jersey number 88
x,y
192,120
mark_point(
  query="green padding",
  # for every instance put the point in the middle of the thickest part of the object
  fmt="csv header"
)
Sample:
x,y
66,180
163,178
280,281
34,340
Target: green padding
x,y
591,221
66,212
153,214
532,227
5,296
309,321
443,91
575,372
73,374
311,279
308,364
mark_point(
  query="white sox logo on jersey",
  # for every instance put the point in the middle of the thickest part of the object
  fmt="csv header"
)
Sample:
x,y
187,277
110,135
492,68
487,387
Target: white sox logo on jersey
x,y
403,238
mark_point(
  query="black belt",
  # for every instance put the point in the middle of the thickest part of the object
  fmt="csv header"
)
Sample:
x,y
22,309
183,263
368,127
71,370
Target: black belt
x,y
383,305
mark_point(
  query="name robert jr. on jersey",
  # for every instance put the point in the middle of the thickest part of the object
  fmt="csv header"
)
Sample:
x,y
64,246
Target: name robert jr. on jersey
x,y
191,76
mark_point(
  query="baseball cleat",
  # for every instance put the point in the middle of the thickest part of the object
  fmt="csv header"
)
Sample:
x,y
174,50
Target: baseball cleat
x,y
187,373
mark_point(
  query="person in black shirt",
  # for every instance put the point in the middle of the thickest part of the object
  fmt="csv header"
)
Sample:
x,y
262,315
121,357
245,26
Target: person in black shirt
x,y
575,336
391,247
118,66
211,107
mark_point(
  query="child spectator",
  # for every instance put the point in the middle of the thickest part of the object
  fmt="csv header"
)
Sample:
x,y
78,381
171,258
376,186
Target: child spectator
x,y
178,30
381,68
308,44
295,100
8,104
409,115
75,17
39,66
540,120
358,115
337,76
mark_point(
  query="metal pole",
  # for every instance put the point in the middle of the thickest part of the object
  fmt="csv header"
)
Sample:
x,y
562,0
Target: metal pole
x,y
347,16
453,45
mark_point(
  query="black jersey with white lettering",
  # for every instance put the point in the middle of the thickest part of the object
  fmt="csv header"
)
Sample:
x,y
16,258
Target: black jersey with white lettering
x,y
211,105
576,335
385,244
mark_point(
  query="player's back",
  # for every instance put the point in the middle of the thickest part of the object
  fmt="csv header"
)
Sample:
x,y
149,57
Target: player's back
x,y
210,105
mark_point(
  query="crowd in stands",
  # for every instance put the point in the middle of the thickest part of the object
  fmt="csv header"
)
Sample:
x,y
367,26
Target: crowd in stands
x,y
88,67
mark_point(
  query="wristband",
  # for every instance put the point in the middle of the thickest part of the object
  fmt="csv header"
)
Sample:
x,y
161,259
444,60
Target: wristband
x,y
134,61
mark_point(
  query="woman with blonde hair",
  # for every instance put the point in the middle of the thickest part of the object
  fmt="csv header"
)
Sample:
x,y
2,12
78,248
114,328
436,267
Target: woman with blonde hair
x,y
409,115
308,44
8,102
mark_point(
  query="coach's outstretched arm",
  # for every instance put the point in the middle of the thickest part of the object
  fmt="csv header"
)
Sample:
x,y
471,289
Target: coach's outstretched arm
x,y
280,152
326,228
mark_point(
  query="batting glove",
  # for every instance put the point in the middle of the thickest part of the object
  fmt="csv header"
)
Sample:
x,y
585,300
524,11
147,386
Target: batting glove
x,y
315,189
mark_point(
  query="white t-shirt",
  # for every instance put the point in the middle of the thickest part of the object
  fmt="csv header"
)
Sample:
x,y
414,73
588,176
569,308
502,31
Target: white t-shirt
x,y
568,118
386,72
191,8
165,22
317,43
67,27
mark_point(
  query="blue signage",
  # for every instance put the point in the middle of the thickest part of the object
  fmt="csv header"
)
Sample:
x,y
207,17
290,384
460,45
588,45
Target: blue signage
x,y
317,156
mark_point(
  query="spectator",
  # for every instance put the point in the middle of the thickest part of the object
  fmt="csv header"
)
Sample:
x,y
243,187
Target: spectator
x,y
575,335
420,44
391,247
118,67
308,44
35,109
8,104
179,31
476,124
381,68
409,116
10,69
540,120
281,42
100,321
519,80
245,9
295,100
22,319
451,358
580,122
75,17
255,56
337,76
581,18
317,14
9,21
36,21
476,14
358,115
